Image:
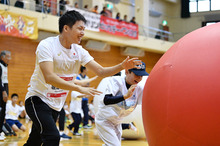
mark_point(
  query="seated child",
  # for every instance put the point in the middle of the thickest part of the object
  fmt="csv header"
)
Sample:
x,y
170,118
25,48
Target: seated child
x,y
12,113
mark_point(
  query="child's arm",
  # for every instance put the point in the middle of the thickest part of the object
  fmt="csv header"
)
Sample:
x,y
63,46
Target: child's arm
x,y
110,99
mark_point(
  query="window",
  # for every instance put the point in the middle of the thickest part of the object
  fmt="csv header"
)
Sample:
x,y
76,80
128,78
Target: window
x,y
203,5
215,4
209,23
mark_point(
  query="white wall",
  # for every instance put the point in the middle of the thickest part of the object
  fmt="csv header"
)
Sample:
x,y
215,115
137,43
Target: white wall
x,y
177,25
125,8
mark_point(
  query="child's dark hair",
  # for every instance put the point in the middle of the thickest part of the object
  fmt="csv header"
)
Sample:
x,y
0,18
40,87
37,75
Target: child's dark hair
x,y
69,18
82,68
13,95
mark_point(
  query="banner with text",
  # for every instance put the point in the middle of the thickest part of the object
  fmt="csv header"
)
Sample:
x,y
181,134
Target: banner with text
x,y
116,27
18,25
93,20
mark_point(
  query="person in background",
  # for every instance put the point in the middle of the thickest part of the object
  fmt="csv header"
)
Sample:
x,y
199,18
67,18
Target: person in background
x,y
125,18
22,113
12,113
133,20
67,111
62,116
76,5
62,124
62,6
46,7
58,60
5,57
86,7
103,12
85,108
91,113
158,35
75,111
38,5
118,16
95,9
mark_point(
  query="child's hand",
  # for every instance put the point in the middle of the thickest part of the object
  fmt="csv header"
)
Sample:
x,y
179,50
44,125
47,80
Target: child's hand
x,y
130,91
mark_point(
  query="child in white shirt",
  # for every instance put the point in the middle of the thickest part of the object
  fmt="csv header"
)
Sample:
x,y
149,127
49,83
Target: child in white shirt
x,y
75,111
12,113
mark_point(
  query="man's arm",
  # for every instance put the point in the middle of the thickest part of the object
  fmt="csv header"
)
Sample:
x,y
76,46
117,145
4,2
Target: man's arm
x,y
52,79
109,71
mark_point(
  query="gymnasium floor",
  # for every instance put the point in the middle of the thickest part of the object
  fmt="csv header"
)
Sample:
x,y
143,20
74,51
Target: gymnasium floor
x,y
89,138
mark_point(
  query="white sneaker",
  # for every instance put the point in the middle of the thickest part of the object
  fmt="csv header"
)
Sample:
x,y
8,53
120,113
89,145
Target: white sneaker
x,y
133,127
2,138
2,134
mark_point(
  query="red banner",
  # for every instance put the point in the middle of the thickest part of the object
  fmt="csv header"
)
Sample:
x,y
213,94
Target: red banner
x,y
116,27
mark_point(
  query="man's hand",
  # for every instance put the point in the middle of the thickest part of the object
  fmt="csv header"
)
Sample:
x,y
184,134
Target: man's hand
x,y
130,91
131,63
5,96
89,91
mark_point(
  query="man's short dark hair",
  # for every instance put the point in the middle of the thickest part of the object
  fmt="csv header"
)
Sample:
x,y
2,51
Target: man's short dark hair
x,y
69,18
13,95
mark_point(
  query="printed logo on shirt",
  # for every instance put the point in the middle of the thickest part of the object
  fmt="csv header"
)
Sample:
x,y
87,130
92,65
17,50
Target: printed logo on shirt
x,y
57,95
74,55
67,78
59,54
131,101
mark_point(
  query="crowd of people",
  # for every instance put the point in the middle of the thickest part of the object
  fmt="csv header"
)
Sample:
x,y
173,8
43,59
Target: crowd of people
x,y
45,7
107,13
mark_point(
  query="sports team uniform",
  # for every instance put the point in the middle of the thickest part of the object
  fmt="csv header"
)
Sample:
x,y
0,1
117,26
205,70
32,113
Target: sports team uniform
x,y
108,118
44,101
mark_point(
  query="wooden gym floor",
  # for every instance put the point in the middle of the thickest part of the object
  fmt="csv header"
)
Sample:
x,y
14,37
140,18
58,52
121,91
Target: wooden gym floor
x,y
89,138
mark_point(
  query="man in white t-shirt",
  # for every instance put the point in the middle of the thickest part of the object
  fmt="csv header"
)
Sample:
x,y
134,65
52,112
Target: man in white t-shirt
x,y
57,62
121,96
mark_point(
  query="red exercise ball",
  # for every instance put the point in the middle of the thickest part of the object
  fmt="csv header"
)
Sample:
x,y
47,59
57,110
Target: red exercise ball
x,y
181,99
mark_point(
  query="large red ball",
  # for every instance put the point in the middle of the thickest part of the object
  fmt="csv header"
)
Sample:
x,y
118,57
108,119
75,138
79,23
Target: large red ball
x,y
181,99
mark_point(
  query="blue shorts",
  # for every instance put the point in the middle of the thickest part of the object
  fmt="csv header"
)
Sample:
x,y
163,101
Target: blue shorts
x,y
12,122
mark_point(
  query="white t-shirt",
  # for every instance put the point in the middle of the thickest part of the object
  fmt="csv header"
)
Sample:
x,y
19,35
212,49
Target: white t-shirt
x,y
76,103
4,76
21,109
115,112
12,112
66,65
